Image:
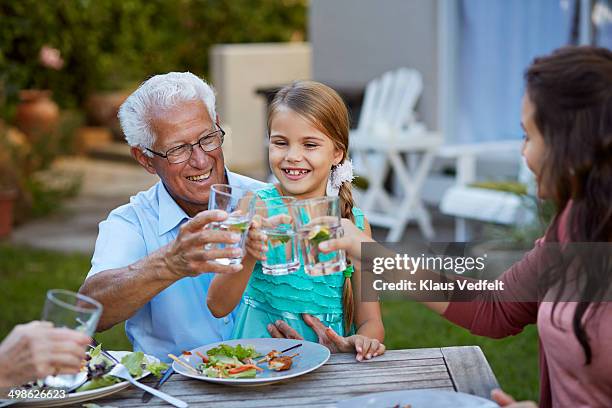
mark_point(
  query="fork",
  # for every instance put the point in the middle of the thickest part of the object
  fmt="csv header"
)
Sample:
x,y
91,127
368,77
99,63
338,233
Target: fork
x,y
120,371
95,344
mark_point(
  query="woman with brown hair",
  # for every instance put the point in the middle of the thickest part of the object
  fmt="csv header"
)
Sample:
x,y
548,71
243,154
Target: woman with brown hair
x,y
308,127
567,119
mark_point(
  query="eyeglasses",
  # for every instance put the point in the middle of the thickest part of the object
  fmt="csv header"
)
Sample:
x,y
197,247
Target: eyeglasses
x,y
182,153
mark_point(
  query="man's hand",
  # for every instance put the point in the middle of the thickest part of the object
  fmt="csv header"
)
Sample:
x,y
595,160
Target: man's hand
x,y
186,255
506,400
281,330
349,242
37,349
365,347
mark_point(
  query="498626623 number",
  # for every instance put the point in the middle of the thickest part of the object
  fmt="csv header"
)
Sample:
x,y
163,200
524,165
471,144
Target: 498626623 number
x,y
19,393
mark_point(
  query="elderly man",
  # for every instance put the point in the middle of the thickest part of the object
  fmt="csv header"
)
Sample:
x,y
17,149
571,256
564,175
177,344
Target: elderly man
x,y
149,265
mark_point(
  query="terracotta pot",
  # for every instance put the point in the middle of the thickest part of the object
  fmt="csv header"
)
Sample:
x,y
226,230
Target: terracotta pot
x,y
7,202
36,114
102,109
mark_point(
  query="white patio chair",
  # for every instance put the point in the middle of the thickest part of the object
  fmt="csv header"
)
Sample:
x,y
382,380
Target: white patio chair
x,y
388,138
465,202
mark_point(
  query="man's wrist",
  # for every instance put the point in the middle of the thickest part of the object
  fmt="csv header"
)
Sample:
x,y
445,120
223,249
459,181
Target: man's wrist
x,y
157,264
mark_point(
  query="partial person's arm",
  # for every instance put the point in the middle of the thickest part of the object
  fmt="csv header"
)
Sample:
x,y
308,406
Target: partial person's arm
x,y
123,291
225,291
368,318
491,314
37,349
494,314
351,243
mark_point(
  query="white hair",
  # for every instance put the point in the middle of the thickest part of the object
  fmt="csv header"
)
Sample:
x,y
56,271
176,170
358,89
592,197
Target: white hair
x,y
161,91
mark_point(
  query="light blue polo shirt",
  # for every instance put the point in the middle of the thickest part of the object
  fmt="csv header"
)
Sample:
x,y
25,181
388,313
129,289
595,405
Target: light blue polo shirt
x,y
177,318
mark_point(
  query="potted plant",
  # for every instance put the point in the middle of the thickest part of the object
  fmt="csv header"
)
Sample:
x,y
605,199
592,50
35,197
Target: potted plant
x,y
37,114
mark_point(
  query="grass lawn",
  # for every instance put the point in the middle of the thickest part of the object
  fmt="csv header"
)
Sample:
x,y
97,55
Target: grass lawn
x,y
27,274
514,360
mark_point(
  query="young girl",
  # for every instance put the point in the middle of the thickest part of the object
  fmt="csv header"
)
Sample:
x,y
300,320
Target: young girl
x,y
308,128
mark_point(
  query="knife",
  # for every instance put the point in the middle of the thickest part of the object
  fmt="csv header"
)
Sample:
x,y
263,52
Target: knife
x,y
146,397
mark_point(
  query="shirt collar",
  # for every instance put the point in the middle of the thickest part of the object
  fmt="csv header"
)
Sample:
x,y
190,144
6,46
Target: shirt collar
x,y
170,213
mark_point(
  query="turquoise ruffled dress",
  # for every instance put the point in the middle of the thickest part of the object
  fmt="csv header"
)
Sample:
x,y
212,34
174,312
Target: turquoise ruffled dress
x,y
269,298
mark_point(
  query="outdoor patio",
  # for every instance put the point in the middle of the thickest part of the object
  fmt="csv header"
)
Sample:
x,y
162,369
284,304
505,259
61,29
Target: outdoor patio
x,y
434,92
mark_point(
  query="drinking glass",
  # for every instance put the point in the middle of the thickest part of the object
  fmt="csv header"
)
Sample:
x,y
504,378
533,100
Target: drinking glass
x,y
239,204
318,220
72,310
282,257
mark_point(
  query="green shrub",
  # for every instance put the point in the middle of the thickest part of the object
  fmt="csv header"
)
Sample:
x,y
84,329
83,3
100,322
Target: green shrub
x,y
107,44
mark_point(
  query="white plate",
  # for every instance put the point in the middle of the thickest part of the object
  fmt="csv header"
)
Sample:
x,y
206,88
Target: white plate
x,y
311,356
418,399
83,396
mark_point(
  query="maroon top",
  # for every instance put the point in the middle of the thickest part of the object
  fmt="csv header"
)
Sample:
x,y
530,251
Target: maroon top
x,y
565,380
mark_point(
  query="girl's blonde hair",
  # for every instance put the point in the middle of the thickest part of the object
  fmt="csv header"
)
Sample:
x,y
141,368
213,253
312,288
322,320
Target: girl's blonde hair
x,y
325,109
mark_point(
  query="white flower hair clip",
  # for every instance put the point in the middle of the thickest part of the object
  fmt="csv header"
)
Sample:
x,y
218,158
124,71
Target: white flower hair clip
x,y
340,173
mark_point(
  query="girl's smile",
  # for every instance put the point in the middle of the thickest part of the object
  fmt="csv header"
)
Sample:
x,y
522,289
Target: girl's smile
x,y
295,173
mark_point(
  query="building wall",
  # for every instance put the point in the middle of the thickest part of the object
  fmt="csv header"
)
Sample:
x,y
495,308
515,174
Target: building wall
x,y
237,71
354,41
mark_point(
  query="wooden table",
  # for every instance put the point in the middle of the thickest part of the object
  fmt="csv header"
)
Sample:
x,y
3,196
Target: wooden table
x,y
462,369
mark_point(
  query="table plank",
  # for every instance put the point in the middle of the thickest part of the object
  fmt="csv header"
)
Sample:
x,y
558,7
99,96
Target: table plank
x,y
324,383
470,370
341,378
390,355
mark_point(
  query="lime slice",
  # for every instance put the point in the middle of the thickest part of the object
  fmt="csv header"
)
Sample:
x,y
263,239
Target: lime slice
x,y
319,234
239,226
278,238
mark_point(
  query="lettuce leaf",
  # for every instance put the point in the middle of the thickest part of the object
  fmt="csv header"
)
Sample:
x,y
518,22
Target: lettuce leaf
x,y
239,351
133,362
99,382
157,369
96,351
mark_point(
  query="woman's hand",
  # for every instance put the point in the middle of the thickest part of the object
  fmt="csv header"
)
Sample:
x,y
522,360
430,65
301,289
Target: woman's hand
x,y
350,242
506,400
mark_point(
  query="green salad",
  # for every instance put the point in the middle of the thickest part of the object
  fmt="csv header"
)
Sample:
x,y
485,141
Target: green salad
x,y
99,365
225,361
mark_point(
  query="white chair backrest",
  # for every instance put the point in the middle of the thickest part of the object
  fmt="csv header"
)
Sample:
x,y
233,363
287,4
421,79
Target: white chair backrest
x,y
390,100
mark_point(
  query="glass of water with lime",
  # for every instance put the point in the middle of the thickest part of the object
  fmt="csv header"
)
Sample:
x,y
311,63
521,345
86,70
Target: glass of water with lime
x,y
318,220
282,255
239,204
